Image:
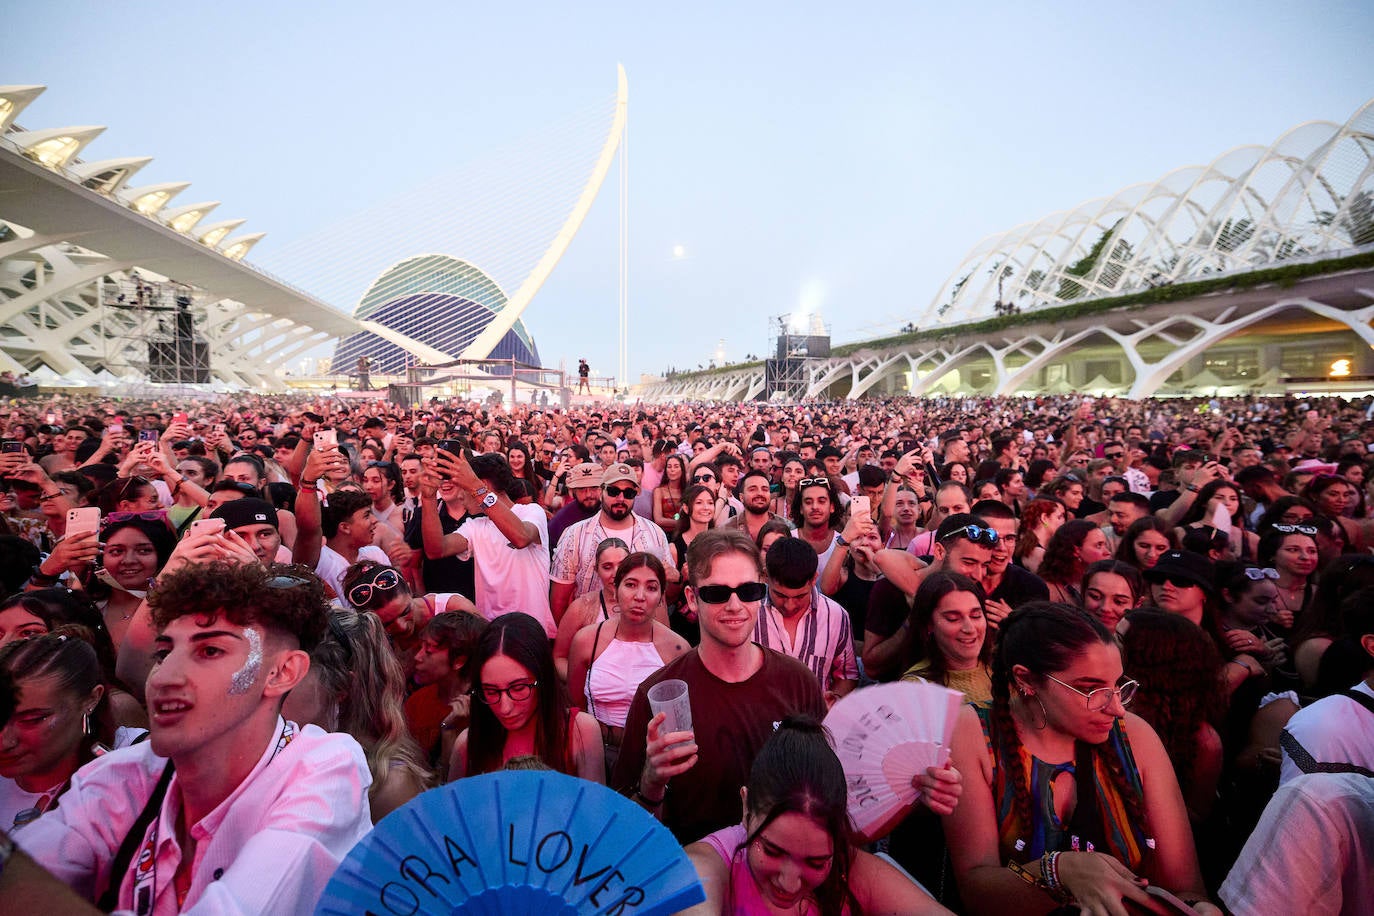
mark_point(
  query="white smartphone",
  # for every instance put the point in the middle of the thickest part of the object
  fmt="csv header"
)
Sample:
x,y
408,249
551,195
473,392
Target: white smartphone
x,y
861,507
207,525
83,521
326,438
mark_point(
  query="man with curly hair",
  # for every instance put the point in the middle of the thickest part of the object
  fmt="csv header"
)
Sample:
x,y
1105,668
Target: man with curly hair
x,y
227,808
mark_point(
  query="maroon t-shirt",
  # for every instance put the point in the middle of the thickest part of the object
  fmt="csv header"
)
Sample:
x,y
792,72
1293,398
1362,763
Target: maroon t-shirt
x,y
731,722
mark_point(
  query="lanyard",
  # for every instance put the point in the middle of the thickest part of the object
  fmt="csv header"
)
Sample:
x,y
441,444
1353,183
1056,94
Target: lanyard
x,y
145,864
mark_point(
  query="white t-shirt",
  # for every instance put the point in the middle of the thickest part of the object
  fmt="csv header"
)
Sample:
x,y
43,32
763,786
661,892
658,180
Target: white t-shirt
x,y
332,566
510,579
1312,851
1335,729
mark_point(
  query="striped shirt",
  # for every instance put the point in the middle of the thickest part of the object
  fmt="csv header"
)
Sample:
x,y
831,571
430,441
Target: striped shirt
x,y
824,641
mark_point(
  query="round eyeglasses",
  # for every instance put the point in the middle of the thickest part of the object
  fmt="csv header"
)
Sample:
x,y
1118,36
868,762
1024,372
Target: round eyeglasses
x,y
1101,698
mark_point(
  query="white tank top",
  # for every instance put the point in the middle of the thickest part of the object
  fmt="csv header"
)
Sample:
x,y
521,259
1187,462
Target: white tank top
x,y
615,675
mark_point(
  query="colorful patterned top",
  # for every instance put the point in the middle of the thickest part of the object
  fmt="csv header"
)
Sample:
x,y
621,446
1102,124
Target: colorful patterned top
x,y
1110,831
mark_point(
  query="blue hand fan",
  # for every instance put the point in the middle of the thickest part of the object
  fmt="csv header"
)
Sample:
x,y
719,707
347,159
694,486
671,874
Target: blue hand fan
x,y
515,843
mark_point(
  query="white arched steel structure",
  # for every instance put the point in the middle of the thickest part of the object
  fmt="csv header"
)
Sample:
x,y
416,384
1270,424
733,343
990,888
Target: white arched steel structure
x,y
1310,192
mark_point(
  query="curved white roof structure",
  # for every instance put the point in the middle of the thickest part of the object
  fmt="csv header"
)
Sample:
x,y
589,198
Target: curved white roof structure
x,y
1309,193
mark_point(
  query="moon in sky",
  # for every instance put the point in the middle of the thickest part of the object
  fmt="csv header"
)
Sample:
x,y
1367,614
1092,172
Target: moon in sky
x,y
679,251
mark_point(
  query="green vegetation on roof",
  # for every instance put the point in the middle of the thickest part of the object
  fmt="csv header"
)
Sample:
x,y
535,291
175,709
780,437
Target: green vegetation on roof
x,y
1284,277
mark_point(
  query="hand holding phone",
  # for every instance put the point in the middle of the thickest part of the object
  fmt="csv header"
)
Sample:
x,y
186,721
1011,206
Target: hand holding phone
x,y
207,526
326,439
85,520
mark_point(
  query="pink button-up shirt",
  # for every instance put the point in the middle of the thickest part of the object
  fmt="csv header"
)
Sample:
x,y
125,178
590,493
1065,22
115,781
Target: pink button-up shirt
x,y
270,847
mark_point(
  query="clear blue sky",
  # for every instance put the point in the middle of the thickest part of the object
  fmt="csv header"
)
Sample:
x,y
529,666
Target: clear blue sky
x,y
847,155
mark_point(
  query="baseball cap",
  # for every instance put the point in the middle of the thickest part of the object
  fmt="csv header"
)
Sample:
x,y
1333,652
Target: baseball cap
x,y
617,473
584,476
1183,564
238,513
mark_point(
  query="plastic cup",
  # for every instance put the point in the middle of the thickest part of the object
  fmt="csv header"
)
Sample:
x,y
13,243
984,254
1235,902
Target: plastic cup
x,y
671,697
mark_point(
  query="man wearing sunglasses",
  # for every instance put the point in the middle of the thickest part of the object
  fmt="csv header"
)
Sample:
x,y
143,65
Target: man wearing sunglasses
x,y
738,690
573,572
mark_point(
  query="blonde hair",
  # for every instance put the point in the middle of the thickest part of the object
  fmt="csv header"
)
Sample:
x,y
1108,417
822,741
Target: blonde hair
x,y
370,683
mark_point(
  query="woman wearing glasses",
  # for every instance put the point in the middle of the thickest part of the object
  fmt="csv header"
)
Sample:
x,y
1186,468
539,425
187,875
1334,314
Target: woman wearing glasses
x,y
521,709
1067,796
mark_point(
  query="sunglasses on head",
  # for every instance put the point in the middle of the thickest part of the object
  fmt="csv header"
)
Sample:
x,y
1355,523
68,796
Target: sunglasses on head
x,y
719,594
1296,529
1256,574
975,533
628,492
813,482
154,515
382,581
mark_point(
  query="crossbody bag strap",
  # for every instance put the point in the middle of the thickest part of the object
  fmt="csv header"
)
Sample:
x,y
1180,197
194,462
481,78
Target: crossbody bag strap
x,y
109,901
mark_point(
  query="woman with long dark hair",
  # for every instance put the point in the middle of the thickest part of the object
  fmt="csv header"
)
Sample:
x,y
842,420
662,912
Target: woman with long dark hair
x,y
1145,541
669,498
948,636
61,720
1291,550
794,850
1223,495
1177,666
1111,589
1069,797
1074,546
521,461
606,665
521,708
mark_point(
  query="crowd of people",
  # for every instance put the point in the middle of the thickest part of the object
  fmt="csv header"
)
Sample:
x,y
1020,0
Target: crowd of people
x,y
235,634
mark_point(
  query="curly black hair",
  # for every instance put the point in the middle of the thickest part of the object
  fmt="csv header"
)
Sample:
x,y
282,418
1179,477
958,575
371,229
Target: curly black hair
x,y
288,599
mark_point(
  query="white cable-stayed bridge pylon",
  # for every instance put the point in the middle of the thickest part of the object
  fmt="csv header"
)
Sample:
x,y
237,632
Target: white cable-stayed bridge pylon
x,y
487,234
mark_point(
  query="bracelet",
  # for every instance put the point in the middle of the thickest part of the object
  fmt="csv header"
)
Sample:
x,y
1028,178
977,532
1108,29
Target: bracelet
x,y
1193,488
638,795
1049,872
41,578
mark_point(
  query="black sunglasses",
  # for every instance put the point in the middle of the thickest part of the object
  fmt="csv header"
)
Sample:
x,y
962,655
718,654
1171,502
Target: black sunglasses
x,y
627,492
704,478
719,594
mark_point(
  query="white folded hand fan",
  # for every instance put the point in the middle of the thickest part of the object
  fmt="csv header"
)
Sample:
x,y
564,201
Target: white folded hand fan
x,y
885,736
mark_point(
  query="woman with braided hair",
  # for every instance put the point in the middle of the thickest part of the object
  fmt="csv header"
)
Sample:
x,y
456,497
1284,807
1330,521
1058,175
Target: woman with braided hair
x,y
1068,797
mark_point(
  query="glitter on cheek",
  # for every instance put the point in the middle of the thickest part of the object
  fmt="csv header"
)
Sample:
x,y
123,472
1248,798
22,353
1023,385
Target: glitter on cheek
x,y
243,678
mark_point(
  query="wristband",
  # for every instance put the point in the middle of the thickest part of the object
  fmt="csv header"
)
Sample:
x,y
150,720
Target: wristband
x,y
1193,488
41,578
638,794
840,541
